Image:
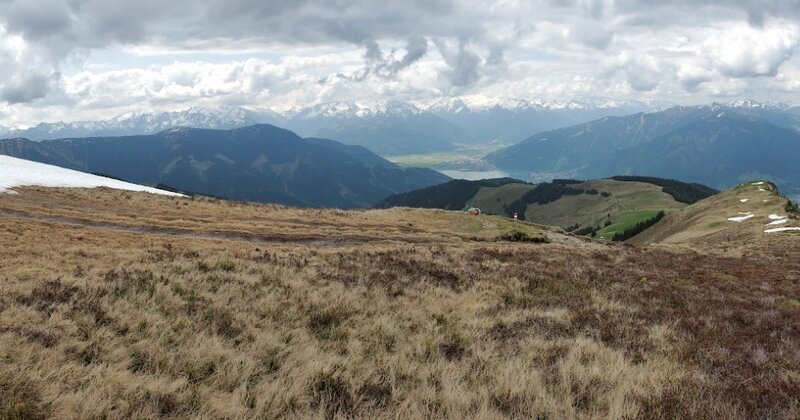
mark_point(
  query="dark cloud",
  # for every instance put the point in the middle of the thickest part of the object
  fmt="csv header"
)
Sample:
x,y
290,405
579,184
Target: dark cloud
x,y
33,86
37,19
465,65
416,48
388,66
385,65
94,23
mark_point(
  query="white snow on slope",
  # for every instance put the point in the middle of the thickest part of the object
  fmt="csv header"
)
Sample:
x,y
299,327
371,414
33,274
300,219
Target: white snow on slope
x,y
777,219
744,200
758,183
740,218
19,172
782,229
778,222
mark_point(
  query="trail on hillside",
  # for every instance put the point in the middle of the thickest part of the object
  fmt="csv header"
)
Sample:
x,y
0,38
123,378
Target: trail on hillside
x,y
306,240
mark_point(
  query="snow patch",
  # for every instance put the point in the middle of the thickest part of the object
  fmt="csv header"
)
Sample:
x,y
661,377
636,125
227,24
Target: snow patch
x,y
762,190
782,229
777,220
19,172
740,218
758,183
744,200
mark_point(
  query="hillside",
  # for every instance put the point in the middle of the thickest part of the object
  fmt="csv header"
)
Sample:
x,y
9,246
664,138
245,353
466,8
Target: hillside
x,y
577,146
741,148
451,195
737,219
744,143
600,207
257,163
510,120
121,304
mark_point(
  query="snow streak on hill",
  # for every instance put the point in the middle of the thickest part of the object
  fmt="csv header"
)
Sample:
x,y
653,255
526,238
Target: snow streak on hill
x,y
19,172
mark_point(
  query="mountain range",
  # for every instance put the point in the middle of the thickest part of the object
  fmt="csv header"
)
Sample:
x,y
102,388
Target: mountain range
x,y
129,124
511,120
388,128
718,145
260,163
385,127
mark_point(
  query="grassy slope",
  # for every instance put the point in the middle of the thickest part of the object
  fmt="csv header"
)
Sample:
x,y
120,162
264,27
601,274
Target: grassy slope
x,y
625,220
629,203
291,313
491,200
705,223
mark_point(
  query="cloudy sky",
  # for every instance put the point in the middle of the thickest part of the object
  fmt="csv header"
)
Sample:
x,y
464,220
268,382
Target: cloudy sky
x,y
88,59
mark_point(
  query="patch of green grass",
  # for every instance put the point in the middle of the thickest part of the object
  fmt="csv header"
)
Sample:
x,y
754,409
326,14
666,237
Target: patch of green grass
x,y
625,220
749,184
724,276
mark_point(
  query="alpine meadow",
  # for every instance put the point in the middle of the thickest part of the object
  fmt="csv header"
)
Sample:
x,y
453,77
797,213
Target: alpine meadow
x,y
245,209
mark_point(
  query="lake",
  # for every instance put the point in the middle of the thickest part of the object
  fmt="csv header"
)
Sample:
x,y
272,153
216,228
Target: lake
x,y
474,175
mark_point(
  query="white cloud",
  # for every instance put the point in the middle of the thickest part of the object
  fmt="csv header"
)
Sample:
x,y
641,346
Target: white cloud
x,y
744,51
89,58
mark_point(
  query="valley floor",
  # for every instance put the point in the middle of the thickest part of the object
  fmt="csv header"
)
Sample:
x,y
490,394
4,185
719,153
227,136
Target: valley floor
x,y
121,305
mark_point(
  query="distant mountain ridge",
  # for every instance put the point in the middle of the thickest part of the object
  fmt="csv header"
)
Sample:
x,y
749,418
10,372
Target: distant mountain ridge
x,y
222,118
395,128
255,163
388,127
717,145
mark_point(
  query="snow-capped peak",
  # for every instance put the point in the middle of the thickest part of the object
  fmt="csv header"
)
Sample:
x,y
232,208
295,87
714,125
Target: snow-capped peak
x,y
445,105
479,103
751,104
361,109
146,123
746,103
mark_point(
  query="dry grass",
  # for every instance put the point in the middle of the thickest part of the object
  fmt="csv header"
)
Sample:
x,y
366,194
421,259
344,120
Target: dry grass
x,y
398,322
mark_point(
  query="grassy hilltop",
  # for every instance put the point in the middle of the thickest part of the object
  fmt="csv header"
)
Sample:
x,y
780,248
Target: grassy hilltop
x,y
600,208
124,305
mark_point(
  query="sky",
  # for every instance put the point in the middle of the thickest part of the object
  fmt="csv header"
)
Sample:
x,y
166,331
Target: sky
x,y
94,59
